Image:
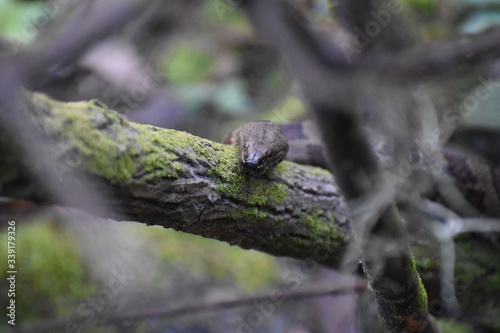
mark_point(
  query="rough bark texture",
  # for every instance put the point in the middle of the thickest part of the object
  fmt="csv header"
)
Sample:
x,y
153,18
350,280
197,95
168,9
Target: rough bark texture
x,y
180,181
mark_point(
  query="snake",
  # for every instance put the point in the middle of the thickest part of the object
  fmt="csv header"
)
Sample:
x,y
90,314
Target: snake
x,y
264,144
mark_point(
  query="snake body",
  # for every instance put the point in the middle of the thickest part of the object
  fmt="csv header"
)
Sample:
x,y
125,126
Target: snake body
x,y
264,144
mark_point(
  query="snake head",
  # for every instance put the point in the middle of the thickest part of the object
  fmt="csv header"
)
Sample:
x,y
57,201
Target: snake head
x,y
257,158
262,146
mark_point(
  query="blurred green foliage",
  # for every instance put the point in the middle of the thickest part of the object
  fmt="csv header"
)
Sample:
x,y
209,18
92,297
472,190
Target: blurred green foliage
x,y
228,13
208,258
187,64
53,278
424,6
51,273
18,19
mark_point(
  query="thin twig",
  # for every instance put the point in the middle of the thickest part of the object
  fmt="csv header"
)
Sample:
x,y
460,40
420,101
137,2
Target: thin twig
x,y
165,313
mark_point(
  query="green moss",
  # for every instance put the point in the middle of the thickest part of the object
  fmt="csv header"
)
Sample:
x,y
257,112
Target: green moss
x,y
316,223
254,213
234,184
156,146
448,326
115,153
420,304
105,153
291,169
422,301
49,267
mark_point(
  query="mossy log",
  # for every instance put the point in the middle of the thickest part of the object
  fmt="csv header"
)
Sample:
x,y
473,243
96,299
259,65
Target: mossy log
x,y
177,180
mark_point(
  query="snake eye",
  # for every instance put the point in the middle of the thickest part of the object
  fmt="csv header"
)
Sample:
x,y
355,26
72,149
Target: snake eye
x,y
246,145
269,153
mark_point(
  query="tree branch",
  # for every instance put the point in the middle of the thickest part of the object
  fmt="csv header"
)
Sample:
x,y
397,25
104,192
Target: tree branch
x,y
176,180
166,312
445,56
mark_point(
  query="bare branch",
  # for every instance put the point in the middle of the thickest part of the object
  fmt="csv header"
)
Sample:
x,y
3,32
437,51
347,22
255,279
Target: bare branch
x,y
163,312
444,56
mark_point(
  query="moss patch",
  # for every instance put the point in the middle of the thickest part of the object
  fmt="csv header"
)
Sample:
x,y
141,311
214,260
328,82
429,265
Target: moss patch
x,y
157,146
90,129
50,276
421,301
